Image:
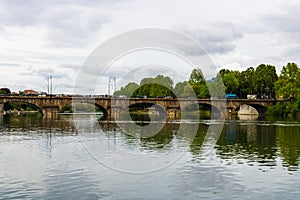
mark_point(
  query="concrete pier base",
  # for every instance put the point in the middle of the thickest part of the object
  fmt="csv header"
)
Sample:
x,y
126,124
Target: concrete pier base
x,y
50,111
173,113
1,108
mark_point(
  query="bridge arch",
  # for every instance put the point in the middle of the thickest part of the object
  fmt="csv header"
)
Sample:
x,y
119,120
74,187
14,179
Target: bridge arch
x,y
261,110
199,105
104,110
146,105
96,105
21,103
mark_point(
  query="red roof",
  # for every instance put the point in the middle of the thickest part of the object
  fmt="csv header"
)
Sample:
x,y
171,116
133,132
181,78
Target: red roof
x,y
30,92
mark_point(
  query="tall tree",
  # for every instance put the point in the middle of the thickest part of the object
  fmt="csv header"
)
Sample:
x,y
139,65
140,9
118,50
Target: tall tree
x,y
230,80
264,79
288,84
196,77
158,86
127,90
198,83
246,81
179,88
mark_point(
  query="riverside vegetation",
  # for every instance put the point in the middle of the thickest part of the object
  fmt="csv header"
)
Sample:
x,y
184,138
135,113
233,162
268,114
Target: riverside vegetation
x,y
262,81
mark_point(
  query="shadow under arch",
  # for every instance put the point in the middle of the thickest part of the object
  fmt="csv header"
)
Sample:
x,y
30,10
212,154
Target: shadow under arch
x,y
261,110
21,106
147,108
78,107
196,107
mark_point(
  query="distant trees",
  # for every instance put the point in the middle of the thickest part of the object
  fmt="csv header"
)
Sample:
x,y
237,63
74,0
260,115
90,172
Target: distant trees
x,y
4,91
259,81
153,87
246,82
288,84
231,80
183,89
150,87
198,84
163,86
262,81
127,90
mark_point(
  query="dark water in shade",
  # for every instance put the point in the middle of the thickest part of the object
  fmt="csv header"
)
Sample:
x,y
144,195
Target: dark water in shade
x,y
82,158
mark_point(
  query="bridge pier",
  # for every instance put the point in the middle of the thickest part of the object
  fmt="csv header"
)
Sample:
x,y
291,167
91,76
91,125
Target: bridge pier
x,y
50,111
1,108
1,119
114,114
173,113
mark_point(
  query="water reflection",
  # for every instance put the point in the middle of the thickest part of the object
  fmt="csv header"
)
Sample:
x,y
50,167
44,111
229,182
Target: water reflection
x,y
28,122
51,158
259,142
288,140
250,142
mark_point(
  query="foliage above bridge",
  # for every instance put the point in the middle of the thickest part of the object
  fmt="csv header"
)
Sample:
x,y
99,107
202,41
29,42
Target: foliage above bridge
x,y
261,82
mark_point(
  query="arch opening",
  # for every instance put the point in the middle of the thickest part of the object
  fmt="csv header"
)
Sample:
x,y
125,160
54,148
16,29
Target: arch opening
x,y
251,109
205,110
17,107
146,112
86,108
149,108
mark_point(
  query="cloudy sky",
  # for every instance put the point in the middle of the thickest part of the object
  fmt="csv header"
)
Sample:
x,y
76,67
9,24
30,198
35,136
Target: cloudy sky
x,y
39,38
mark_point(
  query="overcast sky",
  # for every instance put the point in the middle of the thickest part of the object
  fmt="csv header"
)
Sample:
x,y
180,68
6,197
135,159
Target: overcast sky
x,y
39,38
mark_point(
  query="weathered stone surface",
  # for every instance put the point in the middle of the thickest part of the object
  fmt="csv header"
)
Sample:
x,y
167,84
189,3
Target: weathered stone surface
x,y
51,105
247,110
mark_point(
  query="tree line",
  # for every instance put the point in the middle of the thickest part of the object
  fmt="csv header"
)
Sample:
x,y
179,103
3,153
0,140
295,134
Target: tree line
x,y
262,82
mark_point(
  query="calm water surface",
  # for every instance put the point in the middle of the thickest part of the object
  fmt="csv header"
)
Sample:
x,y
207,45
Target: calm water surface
x,y
83,158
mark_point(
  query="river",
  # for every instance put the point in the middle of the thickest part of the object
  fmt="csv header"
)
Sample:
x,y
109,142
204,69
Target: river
x,y
84,158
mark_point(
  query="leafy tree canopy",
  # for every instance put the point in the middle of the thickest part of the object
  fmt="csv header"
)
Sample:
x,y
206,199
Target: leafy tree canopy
x,y
288,84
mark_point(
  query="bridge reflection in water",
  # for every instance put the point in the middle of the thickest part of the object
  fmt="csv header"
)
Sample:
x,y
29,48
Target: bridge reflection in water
x,y
245,142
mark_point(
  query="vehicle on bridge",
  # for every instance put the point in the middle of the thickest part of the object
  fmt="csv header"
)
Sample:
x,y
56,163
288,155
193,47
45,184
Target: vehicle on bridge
x,y
251,96
231,96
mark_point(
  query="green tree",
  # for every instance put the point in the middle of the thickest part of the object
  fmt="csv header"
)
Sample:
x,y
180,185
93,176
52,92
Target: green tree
x,y
216,87
288,84
153,87
197,77
198,83
127,90
246,82
264,79
179,88
145,87
188,91
230,80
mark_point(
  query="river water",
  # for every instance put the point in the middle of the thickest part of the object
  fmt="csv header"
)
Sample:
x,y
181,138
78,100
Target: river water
x,y
84,158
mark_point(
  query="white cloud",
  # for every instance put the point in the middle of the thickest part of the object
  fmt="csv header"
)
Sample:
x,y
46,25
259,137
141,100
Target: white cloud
x,y
42,37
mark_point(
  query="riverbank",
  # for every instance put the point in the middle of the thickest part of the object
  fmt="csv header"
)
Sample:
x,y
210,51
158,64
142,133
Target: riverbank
x,y
18,112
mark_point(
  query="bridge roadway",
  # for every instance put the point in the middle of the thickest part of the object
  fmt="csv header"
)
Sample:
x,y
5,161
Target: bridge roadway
x,y
51,105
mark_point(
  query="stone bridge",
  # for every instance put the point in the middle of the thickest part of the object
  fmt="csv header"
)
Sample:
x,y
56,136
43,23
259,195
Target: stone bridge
x,y
50,106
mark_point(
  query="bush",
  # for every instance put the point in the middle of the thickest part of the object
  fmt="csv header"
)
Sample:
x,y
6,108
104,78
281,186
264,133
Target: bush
x,y
292,108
